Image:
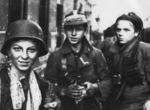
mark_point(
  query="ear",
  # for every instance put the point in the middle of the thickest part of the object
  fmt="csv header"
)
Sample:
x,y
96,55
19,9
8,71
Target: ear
x,y
86,32
136,34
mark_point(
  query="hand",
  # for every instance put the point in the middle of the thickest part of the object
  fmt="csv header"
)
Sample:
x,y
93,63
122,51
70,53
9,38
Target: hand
x,y
147,105
74,91
90,88
51,105
78,92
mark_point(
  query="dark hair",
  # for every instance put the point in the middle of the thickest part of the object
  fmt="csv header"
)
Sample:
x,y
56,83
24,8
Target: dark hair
x,y
108,32
132,17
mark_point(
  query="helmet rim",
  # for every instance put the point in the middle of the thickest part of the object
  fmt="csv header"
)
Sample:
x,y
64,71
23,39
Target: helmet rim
x,y
22,29
42,52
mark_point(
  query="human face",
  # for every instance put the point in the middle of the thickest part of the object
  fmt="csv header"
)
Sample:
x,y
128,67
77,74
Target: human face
x,y
75,34
22,54
125,31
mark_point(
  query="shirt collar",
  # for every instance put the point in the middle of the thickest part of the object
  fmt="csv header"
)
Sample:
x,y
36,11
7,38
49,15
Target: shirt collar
x,y
66,48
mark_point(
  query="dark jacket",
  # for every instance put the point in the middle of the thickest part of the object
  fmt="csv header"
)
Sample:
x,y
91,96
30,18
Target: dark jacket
x,y
133,85
145,33
47,92
89,66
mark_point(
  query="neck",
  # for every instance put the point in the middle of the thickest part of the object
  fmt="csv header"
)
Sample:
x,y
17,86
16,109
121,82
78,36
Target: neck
x,y
121,45
19,73
77,47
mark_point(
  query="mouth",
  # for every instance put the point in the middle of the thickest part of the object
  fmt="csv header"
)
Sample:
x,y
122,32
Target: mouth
x,y
120,39
24,63
73,39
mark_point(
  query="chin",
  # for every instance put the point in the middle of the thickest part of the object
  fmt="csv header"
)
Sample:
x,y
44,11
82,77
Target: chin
x,y
24,68
73,43
122,42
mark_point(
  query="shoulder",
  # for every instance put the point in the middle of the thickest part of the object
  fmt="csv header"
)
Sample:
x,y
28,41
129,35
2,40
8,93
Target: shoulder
x,y
146,30
144,45
55,55
96,51
145,48
41,81
3,70
97,57
57,51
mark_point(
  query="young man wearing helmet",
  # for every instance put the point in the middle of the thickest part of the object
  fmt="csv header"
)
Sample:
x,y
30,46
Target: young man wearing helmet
x,y
20,86
130,65
77,69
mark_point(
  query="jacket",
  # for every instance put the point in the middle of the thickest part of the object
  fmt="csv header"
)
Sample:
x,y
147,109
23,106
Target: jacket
x,y
132,97
145,33
47,92
89,66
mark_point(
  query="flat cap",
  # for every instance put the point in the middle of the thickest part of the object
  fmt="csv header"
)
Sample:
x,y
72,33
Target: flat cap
x,y
75,18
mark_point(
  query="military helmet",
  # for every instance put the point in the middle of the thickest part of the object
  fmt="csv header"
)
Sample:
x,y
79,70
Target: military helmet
x,y
22,29
75,18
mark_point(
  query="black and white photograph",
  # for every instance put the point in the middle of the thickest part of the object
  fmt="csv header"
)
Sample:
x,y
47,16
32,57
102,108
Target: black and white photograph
x,y
74,54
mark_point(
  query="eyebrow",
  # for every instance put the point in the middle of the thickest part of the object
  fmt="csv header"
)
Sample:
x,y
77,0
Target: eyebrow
x,y
14,44
34,46
122,28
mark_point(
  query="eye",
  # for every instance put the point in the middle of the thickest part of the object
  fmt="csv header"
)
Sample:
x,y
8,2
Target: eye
x,y
69,29
17,49
79,28
118,30
126,30
32,50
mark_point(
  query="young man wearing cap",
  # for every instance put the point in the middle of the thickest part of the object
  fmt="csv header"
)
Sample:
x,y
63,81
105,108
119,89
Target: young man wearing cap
x,y
78,70
130,66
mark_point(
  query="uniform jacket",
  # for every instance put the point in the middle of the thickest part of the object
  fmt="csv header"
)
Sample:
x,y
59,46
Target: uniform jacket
x,y
63,67
47,92
132,98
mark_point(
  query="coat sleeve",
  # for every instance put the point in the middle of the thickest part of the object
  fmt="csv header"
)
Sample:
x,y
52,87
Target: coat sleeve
x,y
52,71
145,47
103,74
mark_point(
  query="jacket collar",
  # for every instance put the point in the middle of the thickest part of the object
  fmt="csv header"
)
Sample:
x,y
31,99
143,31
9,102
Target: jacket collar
x,y
116,48
66,48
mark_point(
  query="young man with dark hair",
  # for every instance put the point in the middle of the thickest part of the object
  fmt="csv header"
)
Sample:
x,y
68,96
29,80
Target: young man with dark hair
x,y
130,65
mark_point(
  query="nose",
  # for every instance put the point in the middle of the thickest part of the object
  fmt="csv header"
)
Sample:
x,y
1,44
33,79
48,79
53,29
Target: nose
x,y
24,55
120,33
74,33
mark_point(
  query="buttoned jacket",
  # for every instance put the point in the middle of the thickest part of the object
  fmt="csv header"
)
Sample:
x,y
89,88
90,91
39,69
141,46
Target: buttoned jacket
x,y
63,67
